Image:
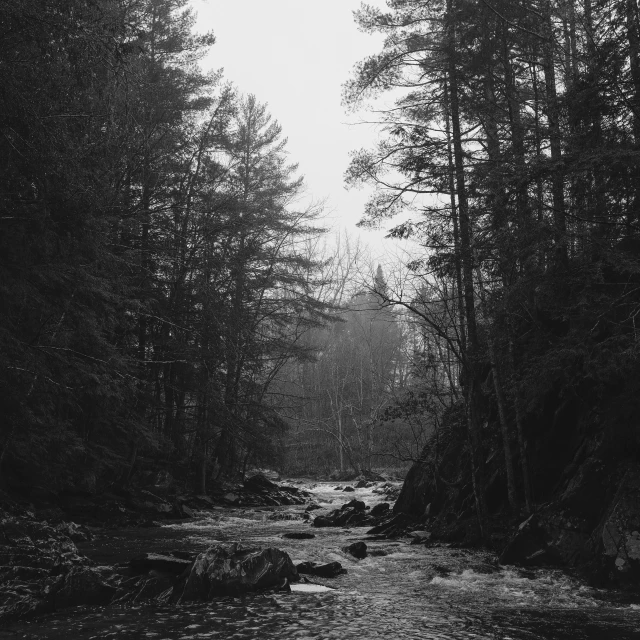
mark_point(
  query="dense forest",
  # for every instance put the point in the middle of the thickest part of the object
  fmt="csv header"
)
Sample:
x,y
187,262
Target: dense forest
x,y
169,302
181,328
155,265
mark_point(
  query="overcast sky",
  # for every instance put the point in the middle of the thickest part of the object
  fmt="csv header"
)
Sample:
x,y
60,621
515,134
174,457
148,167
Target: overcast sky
x,y
295,55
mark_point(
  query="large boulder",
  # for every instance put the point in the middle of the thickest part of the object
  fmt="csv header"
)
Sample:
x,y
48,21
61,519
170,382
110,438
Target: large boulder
x,y
380,509
351,517
260,484
358,506
231,570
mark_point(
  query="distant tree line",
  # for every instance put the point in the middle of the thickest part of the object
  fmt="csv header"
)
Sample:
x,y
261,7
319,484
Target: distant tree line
x,y
514,138
155,274
340,400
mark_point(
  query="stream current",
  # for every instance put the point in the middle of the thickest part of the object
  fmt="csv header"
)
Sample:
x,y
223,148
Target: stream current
x,y
398,591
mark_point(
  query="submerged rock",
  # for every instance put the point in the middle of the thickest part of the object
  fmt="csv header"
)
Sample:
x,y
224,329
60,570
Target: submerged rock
x,y
437,571
357,550
231,570
299,535
288,516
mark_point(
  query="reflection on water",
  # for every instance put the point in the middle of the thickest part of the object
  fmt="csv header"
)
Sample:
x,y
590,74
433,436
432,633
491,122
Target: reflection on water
x,y
411,592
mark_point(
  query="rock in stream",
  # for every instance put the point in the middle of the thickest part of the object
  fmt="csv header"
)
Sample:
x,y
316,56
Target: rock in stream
x,y
231,569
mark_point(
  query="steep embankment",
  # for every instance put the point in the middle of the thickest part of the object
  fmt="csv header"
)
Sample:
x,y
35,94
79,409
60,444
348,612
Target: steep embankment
x,y
586,485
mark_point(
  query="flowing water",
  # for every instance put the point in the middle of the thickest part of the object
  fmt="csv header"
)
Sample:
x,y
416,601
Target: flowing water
x,y
403,591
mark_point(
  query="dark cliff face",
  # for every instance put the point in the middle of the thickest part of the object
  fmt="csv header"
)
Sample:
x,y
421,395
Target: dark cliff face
x,y
586,484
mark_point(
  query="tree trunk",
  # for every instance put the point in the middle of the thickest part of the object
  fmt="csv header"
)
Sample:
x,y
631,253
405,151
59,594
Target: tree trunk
x,y
538,145
455,223
504,428
521,175
132,463
553,118
466,259
633,37
522,441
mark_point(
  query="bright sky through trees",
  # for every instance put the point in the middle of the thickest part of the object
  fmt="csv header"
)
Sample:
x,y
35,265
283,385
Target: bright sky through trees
x,y
295,55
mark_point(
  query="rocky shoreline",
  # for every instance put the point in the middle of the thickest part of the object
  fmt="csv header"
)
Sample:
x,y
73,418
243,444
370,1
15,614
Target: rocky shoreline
x,y
589,526
42,571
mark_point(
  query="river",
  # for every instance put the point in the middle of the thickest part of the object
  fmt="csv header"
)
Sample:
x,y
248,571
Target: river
x,y
404,591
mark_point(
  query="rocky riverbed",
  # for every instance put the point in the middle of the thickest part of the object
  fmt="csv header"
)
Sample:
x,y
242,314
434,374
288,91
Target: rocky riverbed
x,y
398,589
